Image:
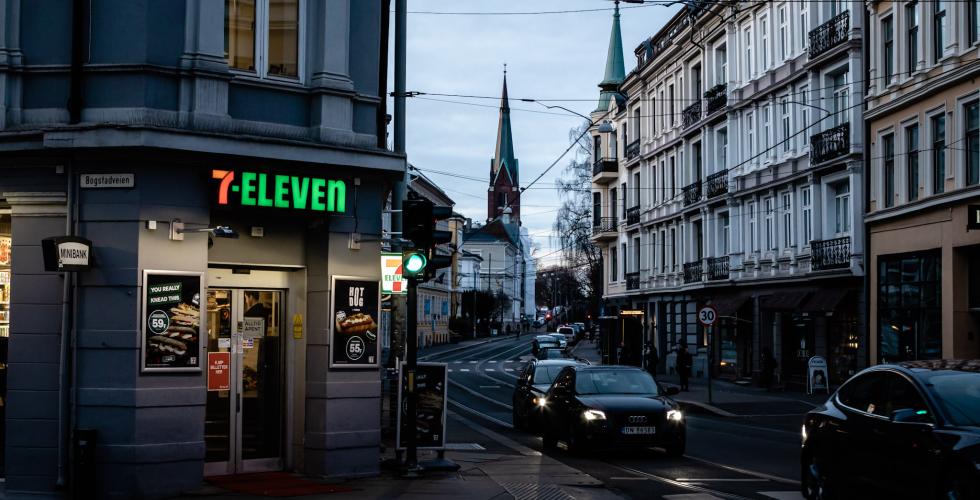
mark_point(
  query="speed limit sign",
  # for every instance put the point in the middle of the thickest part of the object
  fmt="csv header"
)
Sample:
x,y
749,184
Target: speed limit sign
x,y
707,315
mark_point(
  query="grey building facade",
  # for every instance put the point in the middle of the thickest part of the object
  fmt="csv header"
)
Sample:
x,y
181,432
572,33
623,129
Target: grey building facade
x,y
190,105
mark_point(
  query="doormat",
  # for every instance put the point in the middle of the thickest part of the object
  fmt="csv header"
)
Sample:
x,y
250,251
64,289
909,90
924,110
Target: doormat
x,y
274,484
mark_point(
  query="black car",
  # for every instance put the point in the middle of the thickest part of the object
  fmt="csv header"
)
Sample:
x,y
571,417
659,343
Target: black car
x,y
611,407
910,430
533,383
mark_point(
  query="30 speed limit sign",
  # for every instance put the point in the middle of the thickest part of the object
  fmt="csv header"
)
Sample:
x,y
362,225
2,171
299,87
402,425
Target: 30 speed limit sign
x,y
707,315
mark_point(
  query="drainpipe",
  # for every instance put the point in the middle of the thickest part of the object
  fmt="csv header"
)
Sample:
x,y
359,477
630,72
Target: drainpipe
x,y
865,169
67,299
79,44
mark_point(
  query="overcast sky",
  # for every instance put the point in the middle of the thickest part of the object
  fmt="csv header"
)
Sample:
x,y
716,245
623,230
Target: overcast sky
x,y
548,56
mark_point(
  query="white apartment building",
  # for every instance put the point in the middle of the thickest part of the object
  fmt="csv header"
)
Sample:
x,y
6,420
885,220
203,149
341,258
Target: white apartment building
x,y
733,178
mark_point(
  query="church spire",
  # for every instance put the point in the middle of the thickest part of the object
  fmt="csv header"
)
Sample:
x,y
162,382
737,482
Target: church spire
x,y
504,194
615,68
504,153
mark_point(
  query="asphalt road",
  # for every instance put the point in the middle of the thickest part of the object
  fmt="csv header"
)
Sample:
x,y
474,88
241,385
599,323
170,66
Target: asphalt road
x,y
726,458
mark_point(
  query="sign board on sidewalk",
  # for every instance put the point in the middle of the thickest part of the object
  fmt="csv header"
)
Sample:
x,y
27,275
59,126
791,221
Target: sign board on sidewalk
x,y
219,371
430,424
816,378
707,316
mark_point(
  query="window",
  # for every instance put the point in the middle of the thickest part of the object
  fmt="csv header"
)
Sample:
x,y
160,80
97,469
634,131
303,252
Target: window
x,y
749,137
625,259
787,206
597,147
912,156
865,393
722,145
804,116
653,119
909,303
725,233
613,204
663,252
673,178
770,224
670,103
749,66
973,21
636,189
501,200
806,206
938,29
804,24
888,49
624,193
653,254
938,154
596,209
263,37
721,65
636,123
613,264
888,162
696,160
752,246
766,129
973,143
783,34
663,113
787,134
912,39
842,207
662,192
764,41
840,99
673,249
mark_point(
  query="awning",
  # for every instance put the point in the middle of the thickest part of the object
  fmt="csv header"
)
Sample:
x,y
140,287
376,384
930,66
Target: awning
x,y
729,305
825,300
783,301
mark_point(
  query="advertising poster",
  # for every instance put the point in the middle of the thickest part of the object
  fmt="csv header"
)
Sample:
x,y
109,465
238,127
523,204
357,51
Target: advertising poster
x,y
430,426
171,321
219,371
356,309
817,375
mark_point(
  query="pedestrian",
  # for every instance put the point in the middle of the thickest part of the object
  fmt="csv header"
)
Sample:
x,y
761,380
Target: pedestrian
x,y
684,364
768,368
653,359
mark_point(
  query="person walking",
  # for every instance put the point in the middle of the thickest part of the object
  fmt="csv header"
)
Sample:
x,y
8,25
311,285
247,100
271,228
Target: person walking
x,y
768,369
684,364
653,359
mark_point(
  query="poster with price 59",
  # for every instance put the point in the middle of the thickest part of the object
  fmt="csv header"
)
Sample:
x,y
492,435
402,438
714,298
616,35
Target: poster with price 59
x,y
354,322
172,322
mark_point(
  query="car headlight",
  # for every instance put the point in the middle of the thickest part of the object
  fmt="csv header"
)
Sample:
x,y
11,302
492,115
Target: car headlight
x,y
542,401
675,415
591,415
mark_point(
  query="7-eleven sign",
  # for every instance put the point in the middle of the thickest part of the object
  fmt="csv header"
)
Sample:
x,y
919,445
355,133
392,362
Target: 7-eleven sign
x,y
391,274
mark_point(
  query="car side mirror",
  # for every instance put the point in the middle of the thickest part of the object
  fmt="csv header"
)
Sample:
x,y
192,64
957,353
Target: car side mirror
x,y
910,417
672,390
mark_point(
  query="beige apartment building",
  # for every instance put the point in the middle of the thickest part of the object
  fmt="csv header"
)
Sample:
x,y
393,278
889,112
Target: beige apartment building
x,y
923,125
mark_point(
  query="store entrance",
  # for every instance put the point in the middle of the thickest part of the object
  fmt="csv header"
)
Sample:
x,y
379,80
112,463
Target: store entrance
x,y
245,404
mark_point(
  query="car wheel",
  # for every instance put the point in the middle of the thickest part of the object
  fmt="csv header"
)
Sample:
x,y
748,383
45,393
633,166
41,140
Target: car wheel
x,y
958,485
676,449
816,479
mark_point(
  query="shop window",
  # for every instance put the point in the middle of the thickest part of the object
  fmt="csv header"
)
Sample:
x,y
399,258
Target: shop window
x,y
909,307
5,278
263,37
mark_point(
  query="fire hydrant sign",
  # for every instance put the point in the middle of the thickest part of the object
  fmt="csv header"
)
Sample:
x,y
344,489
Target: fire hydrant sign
x,y
219,371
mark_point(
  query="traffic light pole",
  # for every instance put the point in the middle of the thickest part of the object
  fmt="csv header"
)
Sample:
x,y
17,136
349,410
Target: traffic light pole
x,y
412,468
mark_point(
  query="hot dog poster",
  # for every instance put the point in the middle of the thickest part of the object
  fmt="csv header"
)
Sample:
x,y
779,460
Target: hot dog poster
x,y
171,321
354,323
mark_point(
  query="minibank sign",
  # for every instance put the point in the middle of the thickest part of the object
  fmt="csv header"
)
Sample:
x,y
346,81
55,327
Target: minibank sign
x,y
248,189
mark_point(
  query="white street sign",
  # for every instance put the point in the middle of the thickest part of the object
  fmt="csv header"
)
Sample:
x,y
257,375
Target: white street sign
x,y
707,315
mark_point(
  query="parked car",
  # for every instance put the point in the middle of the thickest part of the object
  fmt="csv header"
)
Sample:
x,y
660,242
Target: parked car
x,y
562,340
910,430
568,331
552,353
542,342
579,330
611,407
538,323
533,383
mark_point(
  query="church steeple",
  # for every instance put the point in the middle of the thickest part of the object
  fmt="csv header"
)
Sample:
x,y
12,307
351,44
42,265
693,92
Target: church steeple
x,y
615,68
504,191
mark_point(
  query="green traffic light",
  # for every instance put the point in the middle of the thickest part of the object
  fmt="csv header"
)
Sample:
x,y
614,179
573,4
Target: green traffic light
x,y
413,264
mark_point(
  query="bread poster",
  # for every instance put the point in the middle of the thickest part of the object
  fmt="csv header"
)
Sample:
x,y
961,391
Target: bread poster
x,y
171,321
354,343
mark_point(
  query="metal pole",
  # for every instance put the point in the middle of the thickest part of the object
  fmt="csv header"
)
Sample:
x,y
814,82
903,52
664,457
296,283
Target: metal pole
x,y
711,362
411,398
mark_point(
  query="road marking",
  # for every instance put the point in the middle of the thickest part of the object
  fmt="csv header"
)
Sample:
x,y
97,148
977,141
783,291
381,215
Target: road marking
x,y
489,387
508,369
490,369
747,472
473,361
782,495
457,362
691,496
721,479
450,370
631,478
481,396
464,369
704,493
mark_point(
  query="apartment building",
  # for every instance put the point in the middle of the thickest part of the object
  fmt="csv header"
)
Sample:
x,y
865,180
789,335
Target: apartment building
x,y
731,178
923,126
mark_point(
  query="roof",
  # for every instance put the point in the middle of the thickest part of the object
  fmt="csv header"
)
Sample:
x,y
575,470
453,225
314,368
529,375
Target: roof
x,y
495,231
504,154
615,68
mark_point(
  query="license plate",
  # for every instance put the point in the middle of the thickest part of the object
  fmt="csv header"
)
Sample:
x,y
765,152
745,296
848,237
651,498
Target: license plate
x,y
639,430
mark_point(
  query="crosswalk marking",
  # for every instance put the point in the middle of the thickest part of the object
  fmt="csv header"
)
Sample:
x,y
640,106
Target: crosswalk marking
x,y
691,496
508,369
464,369
490,370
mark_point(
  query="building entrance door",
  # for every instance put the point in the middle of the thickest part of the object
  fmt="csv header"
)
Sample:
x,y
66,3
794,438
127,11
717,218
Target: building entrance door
x,y
245,409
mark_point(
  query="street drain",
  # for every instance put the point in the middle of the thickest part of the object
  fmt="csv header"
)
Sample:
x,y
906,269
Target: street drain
x,y
533,491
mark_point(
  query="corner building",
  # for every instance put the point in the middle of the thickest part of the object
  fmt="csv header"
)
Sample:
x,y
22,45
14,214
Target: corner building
x,y
154,130
923,123
731,179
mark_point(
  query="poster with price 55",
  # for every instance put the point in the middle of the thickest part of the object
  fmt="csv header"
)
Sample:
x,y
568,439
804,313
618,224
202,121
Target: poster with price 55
x,y
354,325
172,321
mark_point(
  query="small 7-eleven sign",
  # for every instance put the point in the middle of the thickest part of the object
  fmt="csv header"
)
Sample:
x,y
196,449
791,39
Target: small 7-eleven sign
x,y
391,274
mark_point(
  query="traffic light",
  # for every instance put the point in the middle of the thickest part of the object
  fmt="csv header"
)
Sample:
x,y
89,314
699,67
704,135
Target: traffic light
x,y
413,264
419,219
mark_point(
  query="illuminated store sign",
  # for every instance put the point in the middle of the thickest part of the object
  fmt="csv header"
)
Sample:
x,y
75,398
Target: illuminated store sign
x,y
241,188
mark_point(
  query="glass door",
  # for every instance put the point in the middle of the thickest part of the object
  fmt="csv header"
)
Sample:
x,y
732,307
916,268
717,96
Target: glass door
x,y
244,413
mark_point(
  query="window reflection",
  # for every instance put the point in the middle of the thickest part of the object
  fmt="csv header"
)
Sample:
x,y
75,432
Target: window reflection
x,y
284,37
240,34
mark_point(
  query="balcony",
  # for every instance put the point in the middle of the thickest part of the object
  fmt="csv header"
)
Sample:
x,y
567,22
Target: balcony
x,y
717,98
830,144
830,254
605,170
691,114
604,228
718,268
692,193
717,183
692,272
633,215
830,34
633,281
633,149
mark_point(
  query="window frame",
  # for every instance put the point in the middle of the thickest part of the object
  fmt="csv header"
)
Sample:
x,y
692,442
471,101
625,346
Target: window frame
x,y
842,218
938,156
261,47
912,162
912,36
769,205
888,169
971,136
806,213
938,30
888,48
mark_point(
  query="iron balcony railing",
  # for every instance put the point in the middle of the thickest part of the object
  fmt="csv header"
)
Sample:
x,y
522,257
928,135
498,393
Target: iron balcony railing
x,y
717,183
718,268
633,149
633,215
829,34
604,164
692,272
716,98
830,144
830,254
692,193
691,114
633,281
604,225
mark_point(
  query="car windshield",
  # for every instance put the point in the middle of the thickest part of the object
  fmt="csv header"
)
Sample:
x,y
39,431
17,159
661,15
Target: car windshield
x,y
565,330
551,354
615,382
959,393
546,374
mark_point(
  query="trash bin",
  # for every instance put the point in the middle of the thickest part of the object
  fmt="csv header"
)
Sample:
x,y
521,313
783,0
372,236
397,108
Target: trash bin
x,y
83,465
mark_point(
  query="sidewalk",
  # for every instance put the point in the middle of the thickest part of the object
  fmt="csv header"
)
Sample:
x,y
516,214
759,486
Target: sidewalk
x,y
728,399
492,466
